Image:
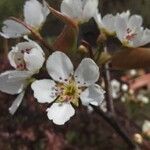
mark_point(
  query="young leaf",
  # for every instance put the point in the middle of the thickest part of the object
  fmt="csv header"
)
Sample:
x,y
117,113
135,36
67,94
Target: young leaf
x,y
68,37
131,58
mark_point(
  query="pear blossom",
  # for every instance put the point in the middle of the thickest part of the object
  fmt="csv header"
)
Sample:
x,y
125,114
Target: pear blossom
x,y
27,58
67,86
129,30
141,97
106,24
146,128
80,10
35,15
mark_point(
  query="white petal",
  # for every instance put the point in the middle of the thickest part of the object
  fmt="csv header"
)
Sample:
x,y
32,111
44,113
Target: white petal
x,y
98,20
59,66
33,13
44,90
10,86
109,23
94,94
137,40
145,38
124,15
45,10
60,113
16,75
12,29
34,60
87,72
90,9
135,21
72,8
13,108
121,28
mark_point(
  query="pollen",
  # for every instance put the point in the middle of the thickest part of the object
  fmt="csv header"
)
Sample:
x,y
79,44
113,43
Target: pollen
x,y
69,92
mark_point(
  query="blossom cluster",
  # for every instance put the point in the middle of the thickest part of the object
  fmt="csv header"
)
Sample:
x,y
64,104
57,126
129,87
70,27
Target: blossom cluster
x,y
65,88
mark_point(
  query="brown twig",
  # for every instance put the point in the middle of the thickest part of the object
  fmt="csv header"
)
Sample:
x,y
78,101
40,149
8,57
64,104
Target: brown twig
x,y
109,100
111,120
5,46
35,34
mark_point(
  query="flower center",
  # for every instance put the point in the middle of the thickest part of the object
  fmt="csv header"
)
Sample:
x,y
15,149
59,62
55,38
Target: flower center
x,y
19,59
69,92
130,35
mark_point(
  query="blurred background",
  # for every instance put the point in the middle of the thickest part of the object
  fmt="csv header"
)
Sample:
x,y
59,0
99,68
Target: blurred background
x,y
30,129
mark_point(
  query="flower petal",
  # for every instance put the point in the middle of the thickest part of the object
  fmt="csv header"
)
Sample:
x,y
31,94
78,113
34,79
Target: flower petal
x,y
10,86
44,90
98,20
38,58
33,13
59,66
90,9
94,94
120,27
87,72
145,38
19,75
13,29
135,21
45,10
109,23
13,108
72,8
125,15
60,113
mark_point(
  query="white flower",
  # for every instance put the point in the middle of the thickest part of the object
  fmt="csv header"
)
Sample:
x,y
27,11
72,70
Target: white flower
x,y
35,15
124,87
129,30
106,24
14,82
115,86
142,98
146,128
67,86
27,58
80,10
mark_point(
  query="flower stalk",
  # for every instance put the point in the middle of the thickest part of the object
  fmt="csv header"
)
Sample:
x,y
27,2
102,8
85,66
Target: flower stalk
x,y
34,33
111,120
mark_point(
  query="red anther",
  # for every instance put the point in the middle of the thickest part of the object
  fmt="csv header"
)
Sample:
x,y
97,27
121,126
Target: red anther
x,y
130,37
129,30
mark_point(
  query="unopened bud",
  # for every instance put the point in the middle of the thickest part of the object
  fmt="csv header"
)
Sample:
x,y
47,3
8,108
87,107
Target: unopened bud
x,y
102,38
83,49
138,138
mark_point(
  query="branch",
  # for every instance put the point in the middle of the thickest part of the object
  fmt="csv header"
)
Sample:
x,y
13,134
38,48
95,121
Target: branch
x,y
108,89
110,119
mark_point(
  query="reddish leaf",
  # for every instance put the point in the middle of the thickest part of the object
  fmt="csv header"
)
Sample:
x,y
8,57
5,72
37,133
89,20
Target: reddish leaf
x,y
68,37
130,58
